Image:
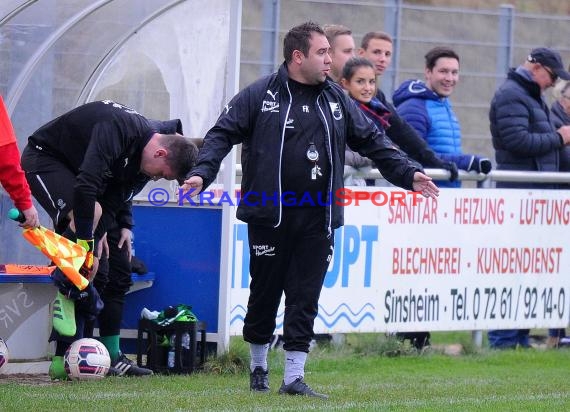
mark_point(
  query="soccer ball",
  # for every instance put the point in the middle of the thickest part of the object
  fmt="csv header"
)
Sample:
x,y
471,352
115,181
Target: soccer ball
x,y
3,354
87,359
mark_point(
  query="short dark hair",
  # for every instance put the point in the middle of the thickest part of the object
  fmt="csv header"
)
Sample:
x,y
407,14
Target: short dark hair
x,y
332,31
354,63
182,154
437,53
380,35
298,39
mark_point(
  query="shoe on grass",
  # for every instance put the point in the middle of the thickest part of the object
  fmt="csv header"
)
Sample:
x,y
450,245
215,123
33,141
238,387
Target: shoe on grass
x,y
259,380
57,369
299,387
123,366
63,315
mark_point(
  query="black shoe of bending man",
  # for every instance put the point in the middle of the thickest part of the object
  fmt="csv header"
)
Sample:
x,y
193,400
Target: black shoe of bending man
x,y
123,366
259,380
299,387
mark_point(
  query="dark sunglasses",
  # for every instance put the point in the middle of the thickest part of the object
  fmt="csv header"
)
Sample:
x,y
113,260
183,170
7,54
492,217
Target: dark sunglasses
x,y
553,76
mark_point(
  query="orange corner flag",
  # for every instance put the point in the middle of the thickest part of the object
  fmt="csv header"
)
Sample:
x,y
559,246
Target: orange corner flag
x,y
65,254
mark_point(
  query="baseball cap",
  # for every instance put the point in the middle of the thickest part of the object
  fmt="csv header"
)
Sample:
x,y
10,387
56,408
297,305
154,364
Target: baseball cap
x,y
549,58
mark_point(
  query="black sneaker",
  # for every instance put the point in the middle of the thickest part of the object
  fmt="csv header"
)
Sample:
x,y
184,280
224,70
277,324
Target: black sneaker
x,y
123,366
259,380
299,387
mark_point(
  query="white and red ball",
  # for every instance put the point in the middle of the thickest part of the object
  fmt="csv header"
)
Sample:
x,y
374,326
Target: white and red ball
x,y
87,359
4,354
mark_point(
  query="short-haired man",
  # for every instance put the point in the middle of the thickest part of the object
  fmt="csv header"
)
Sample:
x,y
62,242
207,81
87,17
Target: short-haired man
x,y
342,48
377,46
293,126
525,139
84,168
426,107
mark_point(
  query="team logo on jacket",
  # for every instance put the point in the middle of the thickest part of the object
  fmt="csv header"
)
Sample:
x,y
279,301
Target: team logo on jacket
x,y
271,105
335,110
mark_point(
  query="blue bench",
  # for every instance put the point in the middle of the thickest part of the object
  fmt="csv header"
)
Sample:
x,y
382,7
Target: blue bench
x,y
25,320
139,281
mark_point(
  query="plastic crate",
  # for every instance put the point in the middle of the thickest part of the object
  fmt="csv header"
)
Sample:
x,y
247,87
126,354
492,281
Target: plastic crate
x,y
185,360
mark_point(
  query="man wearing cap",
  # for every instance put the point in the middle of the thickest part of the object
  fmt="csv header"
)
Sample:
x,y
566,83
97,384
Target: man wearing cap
x,y
524,138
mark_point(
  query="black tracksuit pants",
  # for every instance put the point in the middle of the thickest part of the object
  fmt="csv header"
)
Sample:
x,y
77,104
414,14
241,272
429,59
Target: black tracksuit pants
x,y
292,259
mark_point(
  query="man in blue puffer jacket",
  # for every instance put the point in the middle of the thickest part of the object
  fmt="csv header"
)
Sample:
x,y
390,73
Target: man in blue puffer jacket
x,y
525,139
426,107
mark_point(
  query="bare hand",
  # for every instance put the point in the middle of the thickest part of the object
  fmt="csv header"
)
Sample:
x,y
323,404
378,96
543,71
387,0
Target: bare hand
x,y
32,218
425,186
126,238
564,131
103,247
95,268
194,182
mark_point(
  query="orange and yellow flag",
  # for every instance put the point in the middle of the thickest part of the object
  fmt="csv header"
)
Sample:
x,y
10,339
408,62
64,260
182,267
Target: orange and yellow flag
x,y
64,253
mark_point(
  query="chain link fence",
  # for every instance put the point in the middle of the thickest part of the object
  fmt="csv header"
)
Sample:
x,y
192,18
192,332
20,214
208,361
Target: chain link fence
x,y
487,41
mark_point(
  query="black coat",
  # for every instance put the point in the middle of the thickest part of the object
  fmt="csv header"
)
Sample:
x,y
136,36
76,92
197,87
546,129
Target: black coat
x,y
560,118
523,136
256,118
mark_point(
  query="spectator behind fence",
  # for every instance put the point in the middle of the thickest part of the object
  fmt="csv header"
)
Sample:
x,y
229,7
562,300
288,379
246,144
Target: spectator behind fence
x,y
426,106
525,139
560,116
342,49
359,80
377,47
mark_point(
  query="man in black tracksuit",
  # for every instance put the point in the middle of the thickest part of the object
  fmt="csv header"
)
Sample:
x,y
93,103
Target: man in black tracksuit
x,y
84,168
293,126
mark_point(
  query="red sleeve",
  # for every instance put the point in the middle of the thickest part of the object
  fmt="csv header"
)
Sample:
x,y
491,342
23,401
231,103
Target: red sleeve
x,y
7,134
12,176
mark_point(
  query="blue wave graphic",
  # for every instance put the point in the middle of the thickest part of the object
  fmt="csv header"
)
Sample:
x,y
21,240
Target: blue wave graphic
x,y
243,308
322,309
353,323
329,319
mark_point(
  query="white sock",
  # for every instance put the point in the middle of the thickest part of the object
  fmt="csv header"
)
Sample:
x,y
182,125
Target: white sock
x,y
294,366
258,355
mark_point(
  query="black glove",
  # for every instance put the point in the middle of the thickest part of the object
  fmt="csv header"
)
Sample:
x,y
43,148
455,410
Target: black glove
x,y
480,165
65,286
452,169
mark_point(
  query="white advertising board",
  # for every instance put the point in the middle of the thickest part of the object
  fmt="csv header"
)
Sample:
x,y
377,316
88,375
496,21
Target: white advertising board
x,y
475,259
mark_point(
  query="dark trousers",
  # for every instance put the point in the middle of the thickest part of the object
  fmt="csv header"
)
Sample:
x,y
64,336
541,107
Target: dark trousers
x,y
52,184
292,259
508,338
113,281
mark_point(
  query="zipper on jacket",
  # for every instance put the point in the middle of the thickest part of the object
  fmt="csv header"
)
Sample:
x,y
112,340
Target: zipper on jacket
x,y
281,154
329,152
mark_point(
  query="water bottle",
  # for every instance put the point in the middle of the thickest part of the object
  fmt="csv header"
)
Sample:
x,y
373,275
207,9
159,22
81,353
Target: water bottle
x,y
185,340
186,348
172,352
